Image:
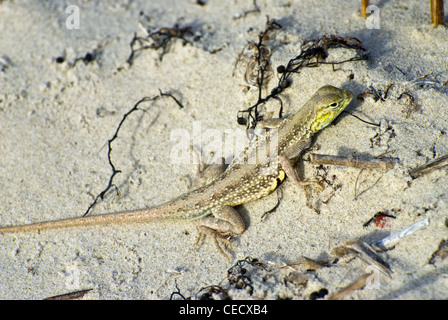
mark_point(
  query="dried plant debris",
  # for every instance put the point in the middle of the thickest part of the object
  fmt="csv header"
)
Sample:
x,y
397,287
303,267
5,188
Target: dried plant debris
x,y
255,59
437,12
238,277
255,9
429,80
365,252
266,214
411,104
115,171
376,94
383,137
287,281
355,285
402,91
70,296
354,161
390,241
237,274
93,55
369,254
369,182
314,53
178,294
210,292
87,58
380,219
441,253
160,38
308,263
429,167
296,278
5,63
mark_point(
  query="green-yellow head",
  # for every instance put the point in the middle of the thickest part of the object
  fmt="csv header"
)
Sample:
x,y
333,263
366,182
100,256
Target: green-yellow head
x,y
328,103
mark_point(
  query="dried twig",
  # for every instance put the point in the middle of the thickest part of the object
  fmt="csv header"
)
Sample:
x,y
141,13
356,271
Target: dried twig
x,y
70,295
365,190
267,213
354,161
362,120
364,5
115,171
390,241
437,13
178,293
365,252
429,167
356,285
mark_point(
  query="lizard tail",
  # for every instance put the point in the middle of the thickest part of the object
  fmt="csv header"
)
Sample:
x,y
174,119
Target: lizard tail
x,y
143,215
189,206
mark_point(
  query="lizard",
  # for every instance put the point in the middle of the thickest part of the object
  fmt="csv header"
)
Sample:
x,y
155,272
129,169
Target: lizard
x,y
245,179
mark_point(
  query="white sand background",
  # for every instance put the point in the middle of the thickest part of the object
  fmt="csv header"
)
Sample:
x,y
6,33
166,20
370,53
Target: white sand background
x,y
55,120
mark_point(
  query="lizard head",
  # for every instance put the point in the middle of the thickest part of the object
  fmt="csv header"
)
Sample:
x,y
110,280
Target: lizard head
x,y
328,102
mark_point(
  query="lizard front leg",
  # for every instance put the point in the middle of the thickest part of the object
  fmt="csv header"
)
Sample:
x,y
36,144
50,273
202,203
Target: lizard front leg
x,y
293,152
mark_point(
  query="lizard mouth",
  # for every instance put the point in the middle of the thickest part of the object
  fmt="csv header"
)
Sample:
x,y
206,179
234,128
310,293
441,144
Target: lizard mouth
x,y
348,96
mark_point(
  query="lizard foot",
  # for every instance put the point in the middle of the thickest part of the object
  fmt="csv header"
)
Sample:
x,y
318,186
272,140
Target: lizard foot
x,y
222,240
225,223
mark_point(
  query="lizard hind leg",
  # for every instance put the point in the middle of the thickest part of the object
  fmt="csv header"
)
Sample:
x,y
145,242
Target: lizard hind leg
x,y
225,224
225,221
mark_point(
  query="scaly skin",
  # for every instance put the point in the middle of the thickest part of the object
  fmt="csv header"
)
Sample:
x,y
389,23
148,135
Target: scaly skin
x,y
243,181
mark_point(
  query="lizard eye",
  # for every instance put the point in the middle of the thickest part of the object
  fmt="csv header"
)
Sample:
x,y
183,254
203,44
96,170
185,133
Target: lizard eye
x,y
334,105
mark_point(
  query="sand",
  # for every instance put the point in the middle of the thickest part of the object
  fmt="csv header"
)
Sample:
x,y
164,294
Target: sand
x,y
57,116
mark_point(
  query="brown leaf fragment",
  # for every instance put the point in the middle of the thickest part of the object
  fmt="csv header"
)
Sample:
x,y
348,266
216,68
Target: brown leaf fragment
x,y
441,253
